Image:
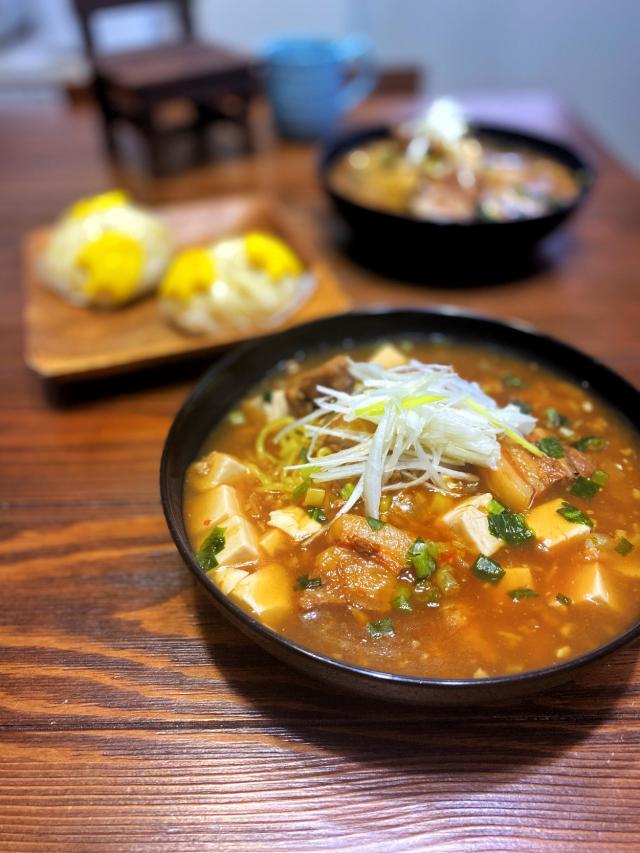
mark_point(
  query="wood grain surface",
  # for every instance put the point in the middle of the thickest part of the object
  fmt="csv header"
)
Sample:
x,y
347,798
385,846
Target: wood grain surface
x,y
132,716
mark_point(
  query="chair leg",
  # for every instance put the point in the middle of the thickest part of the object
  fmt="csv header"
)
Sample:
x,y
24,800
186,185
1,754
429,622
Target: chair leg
x,y
153,142
154,152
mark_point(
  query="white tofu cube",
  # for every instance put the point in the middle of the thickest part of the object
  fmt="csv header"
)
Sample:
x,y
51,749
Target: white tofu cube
x,y
468,520
227,577
295,522
217,468
277,407
590,583
518,577
240,543
551,528
268,593
273,541
210,509
388,356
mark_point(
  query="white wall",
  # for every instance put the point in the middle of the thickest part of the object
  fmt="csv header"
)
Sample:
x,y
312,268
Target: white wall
x,y
588,51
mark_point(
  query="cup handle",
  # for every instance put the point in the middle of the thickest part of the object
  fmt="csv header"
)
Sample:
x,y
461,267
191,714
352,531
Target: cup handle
x,y
358,51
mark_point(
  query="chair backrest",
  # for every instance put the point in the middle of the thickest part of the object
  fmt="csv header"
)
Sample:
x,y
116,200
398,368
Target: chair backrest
x,y
85,10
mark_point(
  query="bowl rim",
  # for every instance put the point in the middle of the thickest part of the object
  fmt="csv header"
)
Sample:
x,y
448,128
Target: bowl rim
x,y
269,635
344,140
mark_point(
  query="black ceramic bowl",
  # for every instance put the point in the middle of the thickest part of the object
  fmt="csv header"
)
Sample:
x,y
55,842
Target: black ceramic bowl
x,y
230,379
385,239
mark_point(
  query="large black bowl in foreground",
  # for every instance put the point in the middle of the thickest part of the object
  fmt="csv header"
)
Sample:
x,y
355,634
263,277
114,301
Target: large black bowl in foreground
x,y
230,379
404,245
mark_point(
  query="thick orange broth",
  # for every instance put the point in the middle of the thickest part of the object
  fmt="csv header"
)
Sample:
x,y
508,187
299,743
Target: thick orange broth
x,y
476,629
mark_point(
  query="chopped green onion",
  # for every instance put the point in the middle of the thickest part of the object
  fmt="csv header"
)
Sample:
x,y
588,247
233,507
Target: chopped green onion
x,y
623,546
523,592
381,628
376,409
589,442
212,545
573,514
267,395
402,601
300,490
305,582
487,569
513,381
317,513
525,408
420,557
584,488
375,523
346,491
600,477
564,599
236,417
446,580
511,527
555,419
304,454
495,507
432,596
550,446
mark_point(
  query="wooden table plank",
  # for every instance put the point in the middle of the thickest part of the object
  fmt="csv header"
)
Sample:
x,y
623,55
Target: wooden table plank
x,y
133,717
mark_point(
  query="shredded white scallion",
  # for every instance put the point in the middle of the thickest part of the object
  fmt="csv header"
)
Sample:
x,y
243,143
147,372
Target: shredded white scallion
x,y
427,424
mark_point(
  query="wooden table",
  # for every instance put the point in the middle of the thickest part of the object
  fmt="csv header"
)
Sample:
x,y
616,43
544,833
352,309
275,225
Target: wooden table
x,y
133,717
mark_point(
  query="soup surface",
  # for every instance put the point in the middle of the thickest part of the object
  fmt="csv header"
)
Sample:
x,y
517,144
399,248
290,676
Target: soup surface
x,y
476,180
361,533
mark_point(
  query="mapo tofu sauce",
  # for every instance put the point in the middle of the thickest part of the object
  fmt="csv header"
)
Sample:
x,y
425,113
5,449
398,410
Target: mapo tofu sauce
x,y
530,564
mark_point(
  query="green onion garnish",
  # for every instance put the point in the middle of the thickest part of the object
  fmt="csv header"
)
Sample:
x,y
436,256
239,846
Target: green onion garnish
x,y
495,507
267,395
317,513
555,419
374,523
300,490
402,601
421,558
305,582
589,442
511,527
525,408
623,546
513,381
346,491
506,430
564,599
573,514
550,446
236,417
212,545
381,628
523,592
446,580
584,488
487,569
600,477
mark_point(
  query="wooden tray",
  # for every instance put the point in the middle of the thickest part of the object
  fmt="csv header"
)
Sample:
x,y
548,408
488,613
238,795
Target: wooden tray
x,y
63,342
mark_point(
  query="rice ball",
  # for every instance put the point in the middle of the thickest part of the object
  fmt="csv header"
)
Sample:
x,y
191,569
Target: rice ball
x,y
241,283
105,252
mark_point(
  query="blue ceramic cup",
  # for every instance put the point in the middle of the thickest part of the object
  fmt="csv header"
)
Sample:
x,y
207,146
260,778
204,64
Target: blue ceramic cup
x,y
305,80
